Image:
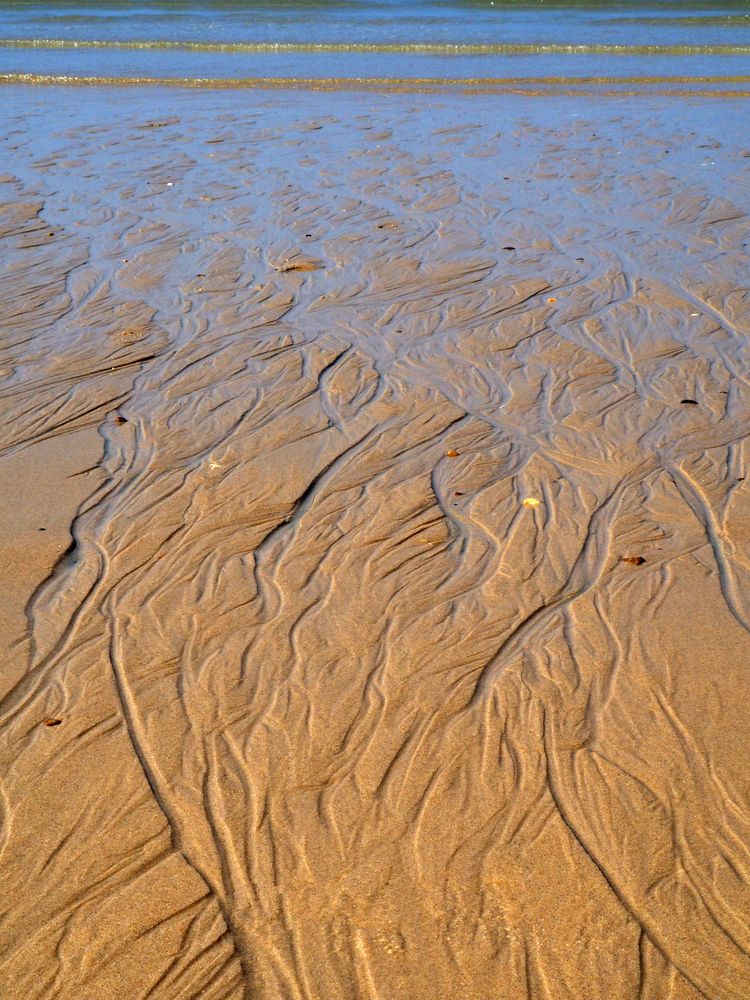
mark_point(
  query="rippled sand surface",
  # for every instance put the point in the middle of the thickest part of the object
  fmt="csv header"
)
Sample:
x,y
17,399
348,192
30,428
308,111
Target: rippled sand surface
x,y
400,648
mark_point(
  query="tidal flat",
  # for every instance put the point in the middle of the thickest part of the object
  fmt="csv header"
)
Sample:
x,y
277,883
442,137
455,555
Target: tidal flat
x,y
375,581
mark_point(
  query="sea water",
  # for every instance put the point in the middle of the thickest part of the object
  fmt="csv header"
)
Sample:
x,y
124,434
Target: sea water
x,y
243,42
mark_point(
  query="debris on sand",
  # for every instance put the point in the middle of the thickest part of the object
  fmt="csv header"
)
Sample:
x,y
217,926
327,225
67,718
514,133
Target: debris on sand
x,y
299,264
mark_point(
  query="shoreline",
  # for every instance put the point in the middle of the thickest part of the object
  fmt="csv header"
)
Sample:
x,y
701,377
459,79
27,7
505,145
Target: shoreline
x,y
530,87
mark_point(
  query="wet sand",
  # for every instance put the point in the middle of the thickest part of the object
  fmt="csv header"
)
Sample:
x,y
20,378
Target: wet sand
x,y
388,634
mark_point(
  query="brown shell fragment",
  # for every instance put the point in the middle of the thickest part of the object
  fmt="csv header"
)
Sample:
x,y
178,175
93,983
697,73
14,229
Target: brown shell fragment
x,y
300,264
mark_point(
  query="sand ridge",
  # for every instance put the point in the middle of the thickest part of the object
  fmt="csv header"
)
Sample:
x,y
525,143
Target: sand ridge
x,y
342,715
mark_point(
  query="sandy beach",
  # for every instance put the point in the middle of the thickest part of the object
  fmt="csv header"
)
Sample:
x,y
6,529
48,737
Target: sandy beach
x,y
375,581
